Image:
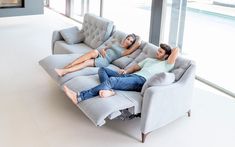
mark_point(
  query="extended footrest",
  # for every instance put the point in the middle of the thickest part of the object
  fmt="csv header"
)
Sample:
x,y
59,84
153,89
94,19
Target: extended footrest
x,y
98,109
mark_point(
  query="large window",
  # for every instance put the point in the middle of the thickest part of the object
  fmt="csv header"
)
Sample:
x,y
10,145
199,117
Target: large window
x,y
58,5
211,41
208,35
80,7
131,16
203,29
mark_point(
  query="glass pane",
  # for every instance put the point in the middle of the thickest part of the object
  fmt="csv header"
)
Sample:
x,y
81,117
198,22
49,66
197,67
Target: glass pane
x,y
130,16
58,5
209,36
80,7
45,2
166,20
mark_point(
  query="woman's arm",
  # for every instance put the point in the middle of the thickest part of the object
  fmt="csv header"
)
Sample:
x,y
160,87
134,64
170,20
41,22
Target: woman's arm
x,y
174,53
133,47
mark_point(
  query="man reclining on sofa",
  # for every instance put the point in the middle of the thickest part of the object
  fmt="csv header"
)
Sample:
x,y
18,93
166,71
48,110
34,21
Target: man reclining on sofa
x,y
104,57
131,79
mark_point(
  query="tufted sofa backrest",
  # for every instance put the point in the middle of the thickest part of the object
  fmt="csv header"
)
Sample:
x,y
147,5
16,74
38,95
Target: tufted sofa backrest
x,y
117,37
146,50
96,30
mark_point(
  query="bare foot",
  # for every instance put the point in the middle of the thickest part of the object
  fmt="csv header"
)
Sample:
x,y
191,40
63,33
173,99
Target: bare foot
x,y
106,93
71,94
60,72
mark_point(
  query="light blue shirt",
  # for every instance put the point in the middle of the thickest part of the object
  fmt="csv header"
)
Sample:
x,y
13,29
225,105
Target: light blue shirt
x,y
114,52
150,66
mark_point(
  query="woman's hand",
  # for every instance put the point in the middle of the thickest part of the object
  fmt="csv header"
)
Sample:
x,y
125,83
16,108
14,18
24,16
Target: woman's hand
x,y
122,71
103,53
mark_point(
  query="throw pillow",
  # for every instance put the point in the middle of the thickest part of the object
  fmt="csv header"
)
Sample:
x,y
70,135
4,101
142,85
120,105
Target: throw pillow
x,y
164,78
72,35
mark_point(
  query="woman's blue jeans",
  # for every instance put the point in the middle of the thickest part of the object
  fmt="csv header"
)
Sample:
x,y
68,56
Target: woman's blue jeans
x,y
111,79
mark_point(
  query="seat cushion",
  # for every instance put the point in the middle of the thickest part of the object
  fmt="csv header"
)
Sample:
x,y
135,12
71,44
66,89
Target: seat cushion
x,y
51,62
61,47
98,109
59,61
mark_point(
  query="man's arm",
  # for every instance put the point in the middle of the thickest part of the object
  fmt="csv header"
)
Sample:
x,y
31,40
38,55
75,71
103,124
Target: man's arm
x,y
171,59
131,69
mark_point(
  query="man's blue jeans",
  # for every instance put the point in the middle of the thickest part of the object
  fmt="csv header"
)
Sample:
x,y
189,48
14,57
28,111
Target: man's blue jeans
x,y
111,79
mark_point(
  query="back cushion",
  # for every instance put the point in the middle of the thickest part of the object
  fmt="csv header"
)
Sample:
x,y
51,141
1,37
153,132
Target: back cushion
x,y
149,50
181,65
122,62
146,50
72,35
125,60
96,30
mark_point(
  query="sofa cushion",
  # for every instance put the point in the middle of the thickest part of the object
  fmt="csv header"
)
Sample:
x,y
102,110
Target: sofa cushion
x,y
181,65
98,109
61,47
122,62
147,50
72,35
59,61
96,30
117,37
164,78
125,60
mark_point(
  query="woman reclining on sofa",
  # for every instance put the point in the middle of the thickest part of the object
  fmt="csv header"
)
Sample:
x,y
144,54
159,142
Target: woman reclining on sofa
x,y
104,57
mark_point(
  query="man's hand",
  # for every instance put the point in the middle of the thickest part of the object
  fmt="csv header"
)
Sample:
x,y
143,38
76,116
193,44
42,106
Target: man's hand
x,y
103,52
122,71
175,50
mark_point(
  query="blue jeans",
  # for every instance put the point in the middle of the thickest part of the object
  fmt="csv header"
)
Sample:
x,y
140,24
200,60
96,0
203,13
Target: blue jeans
x,y
111,79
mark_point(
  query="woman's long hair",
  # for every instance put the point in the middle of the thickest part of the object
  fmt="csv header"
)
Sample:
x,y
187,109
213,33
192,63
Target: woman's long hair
x,y
132,36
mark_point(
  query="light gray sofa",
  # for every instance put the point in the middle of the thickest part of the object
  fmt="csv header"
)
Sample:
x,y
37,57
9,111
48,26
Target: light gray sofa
x,y
159,102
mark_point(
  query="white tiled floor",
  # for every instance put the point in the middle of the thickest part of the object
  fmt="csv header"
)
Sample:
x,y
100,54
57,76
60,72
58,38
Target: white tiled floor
x,y
35,113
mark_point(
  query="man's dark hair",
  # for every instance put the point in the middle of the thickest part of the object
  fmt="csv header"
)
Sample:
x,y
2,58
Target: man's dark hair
x,y
134,38
166,48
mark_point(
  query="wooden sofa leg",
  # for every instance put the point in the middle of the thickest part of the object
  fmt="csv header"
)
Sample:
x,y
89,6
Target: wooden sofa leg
x,y
143,137
189,113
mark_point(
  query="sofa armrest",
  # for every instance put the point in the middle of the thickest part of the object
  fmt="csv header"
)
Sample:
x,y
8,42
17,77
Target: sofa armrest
x,y
56,36
164,104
